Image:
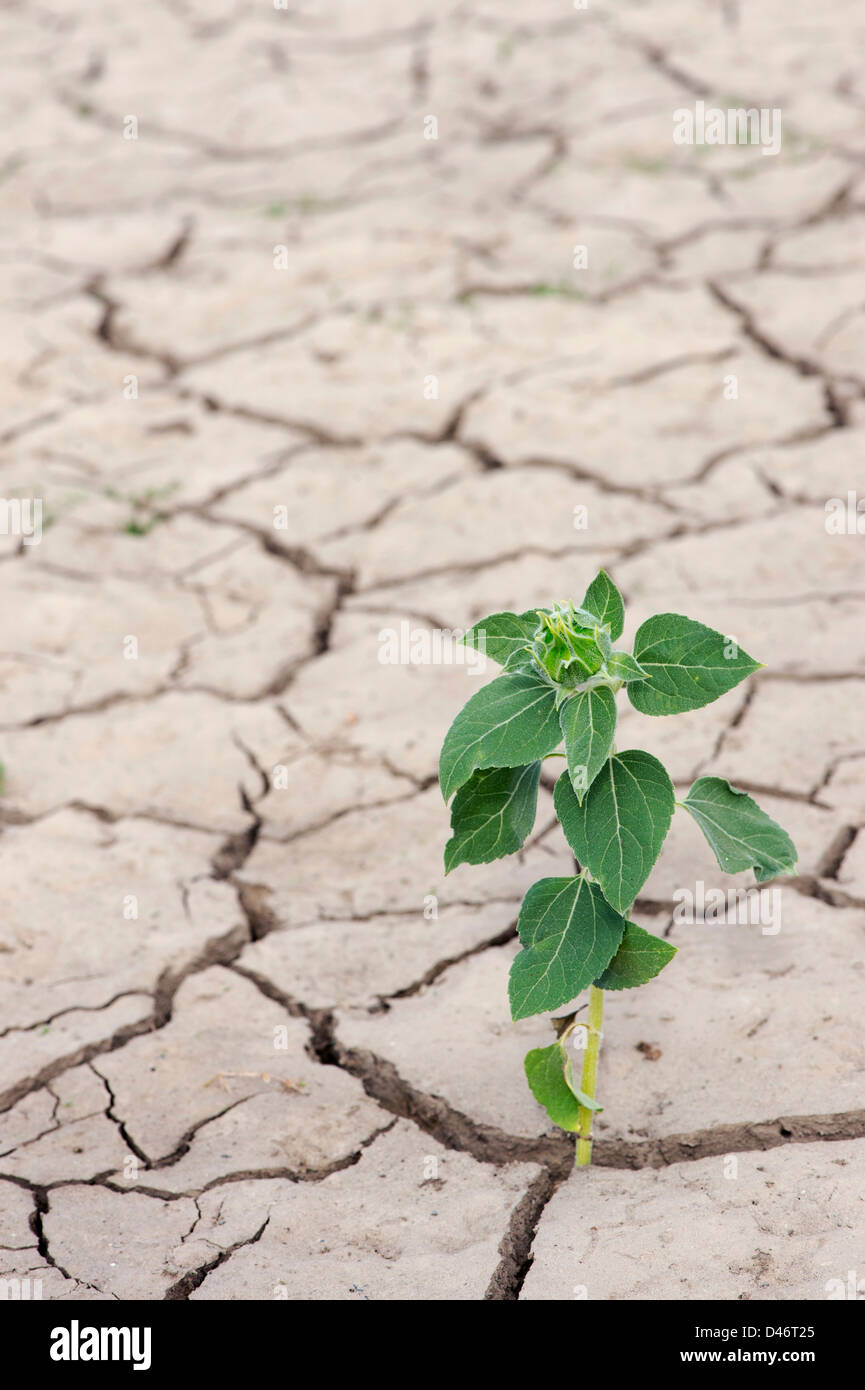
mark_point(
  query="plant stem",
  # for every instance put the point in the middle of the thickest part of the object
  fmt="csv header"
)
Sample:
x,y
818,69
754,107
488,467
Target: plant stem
x,y
590,1074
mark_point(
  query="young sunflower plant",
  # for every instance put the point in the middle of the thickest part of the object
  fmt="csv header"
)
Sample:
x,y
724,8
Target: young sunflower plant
x,y
561,673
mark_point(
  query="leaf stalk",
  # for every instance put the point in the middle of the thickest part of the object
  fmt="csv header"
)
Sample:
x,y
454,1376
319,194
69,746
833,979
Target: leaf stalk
x,y
590,1075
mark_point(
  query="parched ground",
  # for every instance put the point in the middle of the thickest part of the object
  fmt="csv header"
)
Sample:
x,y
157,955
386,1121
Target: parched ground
x,y
287,373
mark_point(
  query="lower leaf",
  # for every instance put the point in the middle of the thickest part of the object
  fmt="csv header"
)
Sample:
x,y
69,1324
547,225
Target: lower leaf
x,y
640,957
569,934
547,1072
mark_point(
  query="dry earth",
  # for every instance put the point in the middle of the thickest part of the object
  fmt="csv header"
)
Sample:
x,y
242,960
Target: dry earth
x,y
287,373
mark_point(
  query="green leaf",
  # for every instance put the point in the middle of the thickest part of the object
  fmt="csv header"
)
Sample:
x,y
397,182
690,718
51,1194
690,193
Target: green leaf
x,y
588,721
687,664
602,641
605,602
621,666
569,935
492,814
618,831
547,1070
588,1102
580,617
742,836
503,637
508,723
640,958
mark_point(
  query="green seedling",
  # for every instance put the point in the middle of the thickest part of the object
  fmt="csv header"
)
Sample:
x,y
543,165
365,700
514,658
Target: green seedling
x,y
145,514
559,291
561,675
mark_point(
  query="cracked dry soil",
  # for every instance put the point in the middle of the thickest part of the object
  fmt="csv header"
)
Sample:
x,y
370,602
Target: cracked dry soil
x,y
235,1057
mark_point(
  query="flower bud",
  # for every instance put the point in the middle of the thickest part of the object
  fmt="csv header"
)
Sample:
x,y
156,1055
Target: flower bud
x,y
565,649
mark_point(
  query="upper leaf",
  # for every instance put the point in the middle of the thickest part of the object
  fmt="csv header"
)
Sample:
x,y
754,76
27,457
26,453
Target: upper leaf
x,y
510,722
605,602
602,641
622,667
640,958
588,721
583,618
569,935
690,665
492,814
548,1071
503,637
742,836
618,831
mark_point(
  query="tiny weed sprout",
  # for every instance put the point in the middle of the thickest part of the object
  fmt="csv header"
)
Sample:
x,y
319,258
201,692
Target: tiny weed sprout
x,y
561,674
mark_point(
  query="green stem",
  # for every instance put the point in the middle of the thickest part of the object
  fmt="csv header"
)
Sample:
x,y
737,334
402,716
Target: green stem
x,y
590,1075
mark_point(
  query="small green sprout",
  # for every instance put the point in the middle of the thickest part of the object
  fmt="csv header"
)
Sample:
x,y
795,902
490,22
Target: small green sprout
x,y
561,675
